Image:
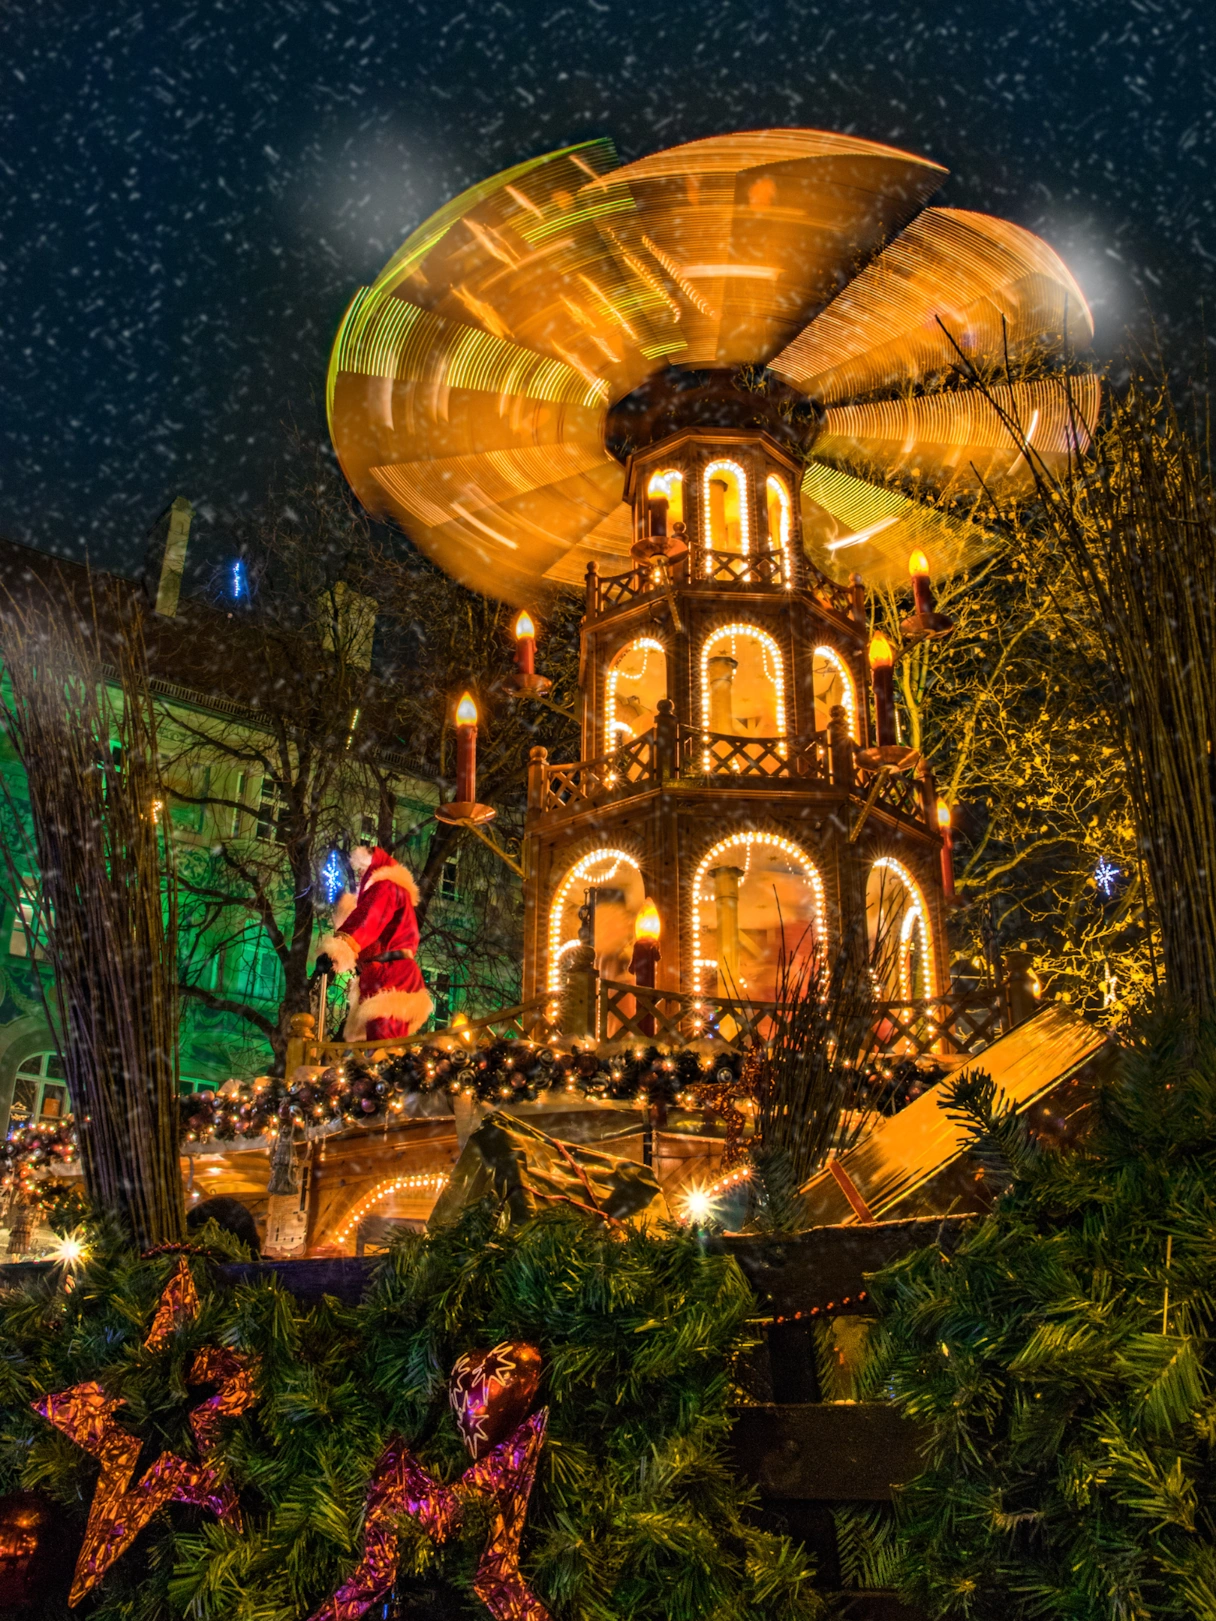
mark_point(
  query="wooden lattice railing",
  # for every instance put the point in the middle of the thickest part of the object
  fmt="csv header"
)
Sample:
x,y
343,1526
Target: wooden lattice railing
x,y
631,766
724,754
529,1021
961,1021
738,568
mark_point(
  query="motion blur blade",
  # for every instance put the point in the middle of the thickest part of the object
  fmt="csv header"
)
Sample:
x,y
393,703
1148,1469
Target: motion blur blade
x,y
996,289
851,526
958,442
501,544
744,237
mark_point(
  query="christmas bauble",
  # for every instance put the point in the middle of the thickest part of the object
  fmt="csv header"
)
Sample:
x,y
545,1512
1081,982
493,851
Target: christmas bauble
x,y
492,1392
27,1557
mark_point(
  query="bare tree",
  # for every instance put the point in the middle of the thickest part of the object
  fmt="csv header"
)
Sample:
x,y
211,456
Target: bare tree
x,y
81,721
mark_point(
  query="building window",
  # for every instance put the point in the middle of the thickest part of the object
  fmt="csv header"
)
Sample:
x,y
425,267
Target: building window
x,y
368,829
443,998
235,830
447,881
270,811
40,1092
27,923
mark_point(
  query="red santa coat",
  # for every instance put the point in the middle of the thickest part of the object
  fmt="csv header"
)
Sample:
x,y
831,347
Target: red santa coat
x,y
391,998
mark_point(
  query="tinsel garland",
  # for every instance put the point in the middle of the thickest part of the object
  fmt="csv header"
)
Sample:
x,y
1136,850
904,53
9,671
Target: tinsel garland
x,y
379,1084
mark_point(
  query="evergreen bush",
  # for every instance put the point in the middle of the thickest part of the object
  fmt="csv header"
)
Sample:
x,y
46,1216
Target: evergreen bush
x,y
636,1512
1061,1360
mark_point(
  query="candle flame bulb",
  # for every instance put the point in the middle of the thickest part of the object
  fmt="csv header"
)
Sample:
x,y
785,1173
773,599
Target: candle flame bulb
x,y
524,625
882,656
922,591
466,711
943,814
648,925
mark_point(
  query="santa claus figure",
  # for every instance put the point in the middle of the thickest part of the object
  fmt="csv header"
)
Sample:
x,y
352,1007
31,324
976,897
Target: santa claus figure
x,y
376,934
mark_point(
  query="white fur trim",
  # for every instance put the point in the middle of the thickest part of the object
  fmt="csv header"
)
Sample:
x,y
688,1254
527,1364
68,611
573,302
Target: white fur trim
x,y
339,951
394,874
416,1006
343,907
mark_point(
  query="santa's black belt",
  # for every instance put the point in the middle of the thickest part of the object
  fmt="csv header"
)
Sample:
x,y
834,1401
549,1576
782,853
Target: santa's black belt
x,y
387,956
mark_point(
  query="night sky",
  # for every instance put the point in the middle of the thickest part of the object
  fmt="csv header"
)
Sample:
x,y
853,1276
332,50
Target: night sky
x,y
190,194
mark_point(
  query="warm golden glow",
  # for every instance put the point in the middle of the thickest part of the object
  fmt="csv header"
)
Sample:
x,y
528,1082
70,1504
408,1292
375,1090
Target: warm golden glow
x,y
466,711
918,566
469,384
882,656
524,626
648,925
943,814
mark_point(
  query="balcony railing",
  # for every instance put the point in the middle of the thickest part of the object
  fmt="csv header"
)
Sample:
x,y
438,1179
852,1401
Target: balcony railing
x,y
671,752
701,569
961,1021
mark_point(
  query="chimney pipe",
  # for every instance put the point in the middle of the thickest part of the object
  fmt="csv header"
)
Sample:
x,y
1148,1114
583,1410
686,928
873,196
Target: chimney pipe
x,y
173,558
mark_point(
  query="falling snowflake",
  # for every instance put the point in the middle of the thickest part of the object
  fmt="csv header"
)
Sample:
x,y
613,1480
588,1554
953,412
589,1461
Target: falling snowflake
x,y
1106,877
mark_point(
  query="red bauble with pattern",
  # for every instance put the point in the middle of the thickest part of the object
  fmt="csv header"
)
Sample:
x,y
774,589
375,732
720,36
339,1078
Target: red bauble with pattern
x,y
492,1392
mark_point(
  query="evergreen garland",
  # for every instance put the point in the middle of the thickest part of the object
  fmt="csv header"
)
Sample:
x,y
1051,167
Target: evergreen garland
x,y
636,1512
1062,1361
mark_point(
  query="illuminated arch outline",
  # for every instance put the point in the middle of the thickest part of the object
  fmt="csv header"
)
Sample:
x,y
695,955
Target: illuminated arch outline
x,y
419,1182
778,677
846,680
916,916
776,486
778,842
614,675
580,869
740,478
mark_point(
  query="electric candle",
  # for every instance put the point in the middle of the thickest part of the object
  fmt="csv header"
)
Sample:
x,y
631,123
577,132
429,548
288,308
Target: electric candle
x,y
922,591
944,824
882,676
525,643
466,750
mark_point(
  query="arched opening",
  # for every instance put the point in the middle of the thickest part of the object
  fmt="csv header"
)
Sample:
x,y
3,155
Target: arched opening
x,y
757,904
742,683
620,894
833,685
636,680
901,946
780,524
40,1091
724,493
664,501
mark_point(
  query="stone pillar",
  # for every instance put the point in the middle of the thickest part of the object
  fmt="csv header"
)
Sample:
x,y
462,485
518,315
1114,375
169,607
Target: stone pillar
x,y
721,679
726,894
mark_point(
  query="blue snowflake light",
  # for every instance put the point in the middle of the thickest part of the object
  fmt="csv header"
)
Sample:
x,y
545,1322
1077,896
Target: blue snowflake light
x,y
240,585
333,879
1106,877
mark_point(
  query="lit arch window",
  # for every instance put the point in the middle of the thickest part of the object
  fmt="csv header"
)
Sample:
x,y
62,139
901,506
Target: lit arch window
x,y
599,869
724,494
833,685
667,487
896,912
780,524
766,908
636,680
742,683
